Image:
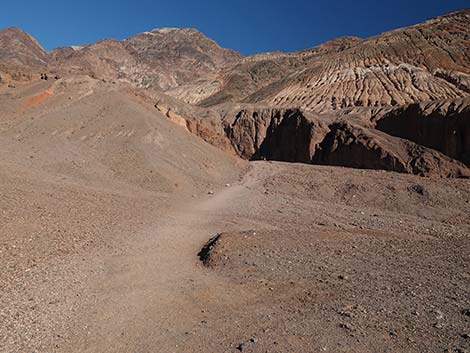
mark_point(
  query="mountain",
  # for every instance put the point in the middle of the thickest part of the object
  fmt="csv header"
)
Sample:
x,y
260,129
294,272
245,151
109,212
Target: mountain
x,y
21,56
428,61
180,55
253,73
395,68
20,48
348,86
387,102
144,206
163,58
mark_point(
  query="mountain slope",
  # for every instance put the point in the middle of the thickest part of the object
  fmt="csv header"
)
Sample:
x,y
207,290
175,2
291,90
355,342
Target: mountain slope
x,y
161,59
429,61
253,73
180,54
352,83
398,67
123,136
19,48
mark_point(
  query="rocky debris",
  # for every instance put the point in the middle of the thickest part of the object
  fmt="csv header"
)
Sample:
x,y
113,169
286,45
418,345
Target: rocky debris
x,y
461,350
205,253
348,284
79,175
419,189
244,345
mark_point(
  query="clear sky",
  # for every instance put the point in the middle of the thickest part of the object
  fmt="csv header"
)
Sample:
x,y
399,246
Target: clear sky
x,y
249,26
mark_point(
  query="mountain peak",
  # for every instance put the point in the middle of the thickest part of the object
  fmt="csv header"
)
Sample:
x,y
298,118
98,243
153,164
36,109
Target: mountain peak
x,y
179,54
12,29
167,30
19,47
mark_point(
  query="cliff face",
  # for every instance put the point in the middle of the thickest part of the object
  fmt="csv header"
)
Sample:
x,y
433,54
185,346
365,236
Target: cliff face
x,y
285,135
358,147
293,136
443,126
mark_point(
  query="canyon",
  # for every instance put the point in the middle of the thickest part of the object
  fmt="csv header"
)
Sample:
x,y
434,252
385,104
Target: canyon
x,y
164,194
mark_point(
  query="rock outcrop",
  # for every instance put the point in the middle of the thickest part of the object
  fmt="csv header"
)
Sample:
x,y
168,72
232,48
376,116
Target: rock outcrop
x,y
443,126
292,135
358,147
284,135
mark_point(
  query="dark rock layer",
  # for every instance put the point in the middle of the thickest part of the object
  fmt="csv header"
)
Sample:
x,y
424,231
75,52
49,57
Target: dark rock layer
x,y
443,126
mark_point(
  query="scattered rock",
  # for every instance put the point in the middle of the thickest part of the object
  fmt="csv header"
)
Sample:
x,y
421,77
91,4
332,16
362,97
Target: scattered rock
x,y
419,189
241,347
461,350
345,313
439,314
204,254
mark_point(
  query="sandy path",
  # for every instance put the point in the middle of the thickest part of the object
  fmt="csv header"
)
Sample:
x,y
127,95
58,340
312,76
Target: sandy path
x,y
155,293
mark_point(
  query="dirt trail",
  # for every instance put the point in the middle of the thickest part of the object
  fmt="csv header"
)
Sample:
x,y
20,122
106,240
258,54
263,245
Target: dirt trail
x,y
156,293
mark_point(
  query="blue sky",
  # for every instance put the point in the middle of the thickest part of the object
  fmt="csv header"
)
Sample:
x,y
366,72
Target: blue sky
x,y
249,26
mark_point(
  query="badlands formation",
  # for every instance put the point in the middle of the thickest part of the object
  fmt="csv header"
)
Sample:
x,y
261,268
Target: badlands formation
x,y
164,194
